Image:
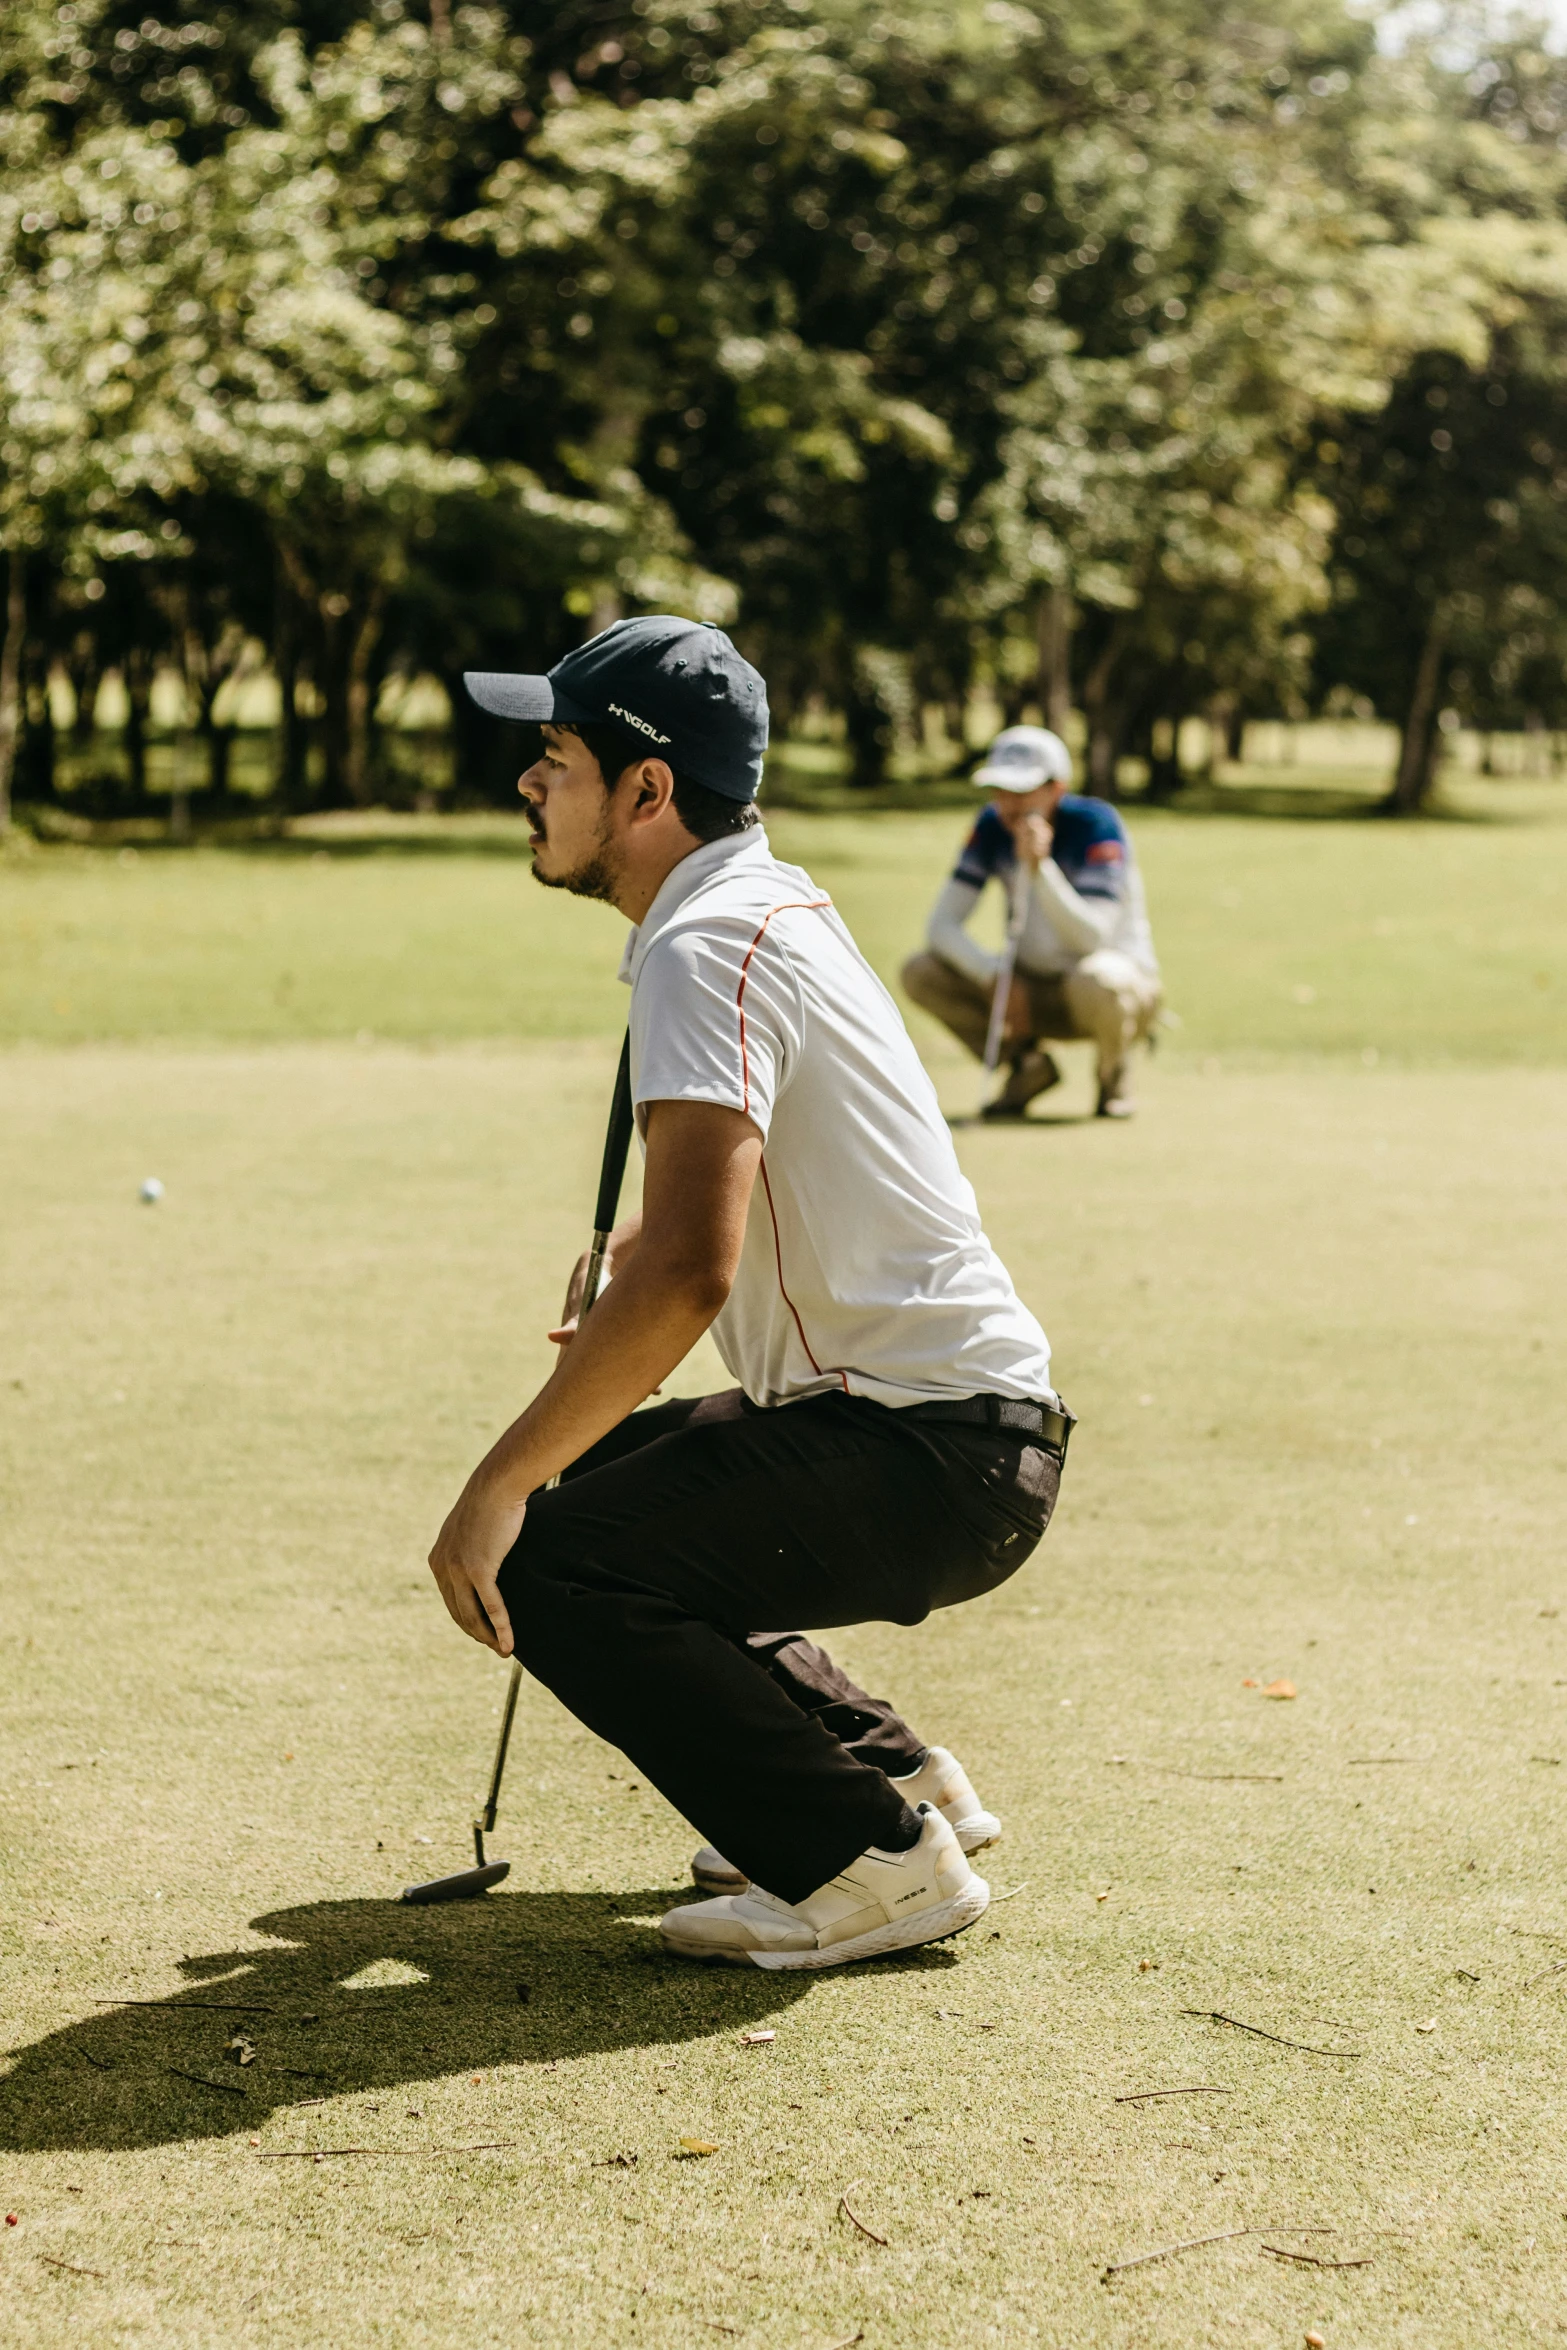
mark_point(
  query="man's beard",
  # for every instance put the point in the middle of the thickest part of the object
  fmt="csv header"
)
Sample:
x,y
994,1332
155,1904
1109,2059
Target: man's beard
x,y
597,877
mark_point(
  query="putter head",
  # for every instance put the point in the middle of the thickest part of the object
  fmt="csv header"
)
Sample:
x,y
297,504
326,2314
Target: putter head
x,y
466,1885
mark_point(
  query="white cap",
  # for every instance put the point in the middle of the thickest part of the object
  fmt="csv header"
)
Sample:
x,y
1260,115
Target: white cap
x,y
1023,758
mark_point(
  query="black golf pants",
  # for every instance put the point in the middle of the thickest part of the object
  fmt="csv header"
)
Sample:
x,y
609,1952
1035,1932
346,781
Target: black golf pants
x,y
636,1586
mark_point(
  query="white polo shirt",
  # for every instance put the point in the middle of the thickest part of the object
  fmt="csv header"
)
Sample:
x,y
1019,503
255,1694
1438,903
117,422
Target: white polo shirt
x,y
864,1266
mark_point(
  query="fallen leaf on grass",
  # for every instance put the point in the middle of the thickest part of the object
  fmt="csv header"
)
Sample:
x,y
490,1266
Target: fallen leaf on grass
x,y
852,2216
1312,2259
240,2049
756,2039
1279,1689
1249,1684
698,2146
1428,2026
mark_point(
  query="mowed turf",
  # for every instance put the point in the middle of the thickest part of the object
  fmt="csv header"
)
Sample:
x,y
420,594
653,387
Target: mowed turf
x,y
1309,1311
1444,942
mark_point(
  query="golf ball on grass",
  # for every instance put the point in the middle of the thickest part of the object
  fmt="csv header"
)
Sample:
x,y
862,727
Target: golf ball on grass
x,y
151,1192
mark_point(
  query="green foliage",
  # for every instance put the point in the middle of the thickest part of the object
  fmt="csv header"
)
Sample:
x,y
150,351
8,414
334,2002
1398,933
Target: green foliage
x,y
931,346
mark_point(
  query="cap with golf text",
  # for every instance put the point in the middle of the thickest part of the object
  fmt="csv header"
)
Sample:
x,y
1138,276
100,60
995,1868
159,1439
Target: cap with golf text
x,y
676,689
1022,759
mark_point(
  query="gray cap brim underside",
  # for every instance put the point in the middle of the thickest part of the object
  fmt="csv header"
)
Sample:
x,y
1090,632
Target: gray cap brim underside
x,y
506,694
1011,778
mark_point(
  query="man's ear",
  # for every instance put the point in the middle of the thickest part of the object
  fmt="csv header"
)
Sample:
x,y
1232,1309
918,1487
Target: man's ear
x,y
652,790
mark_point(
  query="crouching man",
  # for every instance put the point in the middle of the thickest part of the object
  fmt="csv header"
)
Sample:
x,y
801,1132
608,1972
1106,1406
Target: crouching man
x,y
1085,961
893,1445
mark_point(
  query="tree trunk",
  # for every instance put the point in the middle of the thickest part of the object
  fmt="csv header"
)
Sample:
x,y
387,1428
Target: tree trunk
x,y
220,755
1104,730
1164,767
138,694
11,677
869,733
358,698
85,671
39,744
1419,744
290,777
1056,619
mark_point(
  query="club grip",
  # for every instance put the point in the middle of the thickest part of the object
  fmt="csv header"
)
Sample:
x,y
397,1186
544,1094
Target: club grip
x,y
617,1142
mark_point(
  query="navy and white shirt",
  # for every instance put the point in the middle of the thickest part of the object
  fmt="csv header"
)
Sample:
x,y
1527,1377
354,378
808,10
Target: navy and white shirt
x,y
1087,897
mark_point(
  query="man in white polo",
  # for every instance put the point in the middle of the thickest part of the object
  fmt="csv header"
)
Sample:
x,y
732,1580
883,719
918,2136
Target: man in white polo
x,y
1085,959
893,1444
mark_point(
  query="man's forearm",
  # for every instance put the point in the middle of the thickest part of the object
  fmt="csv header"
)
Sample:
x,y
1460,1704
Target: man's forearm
x,y
947,936
1080,925
646,1323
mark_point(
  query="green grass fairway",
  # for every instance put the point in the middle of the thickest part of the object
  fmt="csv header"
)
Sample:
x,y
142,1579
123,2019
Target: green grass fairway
x,y
1444,942
1309,1310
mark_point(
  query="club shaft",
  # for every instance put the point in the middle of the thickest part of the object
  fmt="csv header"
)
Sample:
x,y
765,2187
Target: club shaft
x,y
1006,968
617,1144
508,1714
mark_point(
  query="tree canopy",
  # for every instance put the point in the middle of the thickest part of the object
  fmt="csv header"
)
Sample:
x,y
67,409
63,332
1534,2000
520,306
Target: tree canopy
x,y
1151,361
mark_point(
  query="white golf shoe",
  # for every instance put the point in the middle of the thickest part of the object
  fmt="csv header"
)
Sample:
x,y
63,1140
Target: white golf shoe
x,y
940,1780
882,1902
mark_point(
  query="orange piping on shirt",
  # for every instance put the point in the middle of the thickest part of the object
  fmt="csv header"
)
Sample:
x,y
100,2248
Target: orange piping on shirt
x,y
783,1292
790,905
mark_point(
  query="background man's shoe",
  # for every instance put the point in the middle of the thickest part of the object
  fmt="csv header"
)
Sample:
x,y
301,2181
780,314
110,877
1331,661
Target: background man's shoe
x,y
1115,1093
1032,1073
940,1780
882,1902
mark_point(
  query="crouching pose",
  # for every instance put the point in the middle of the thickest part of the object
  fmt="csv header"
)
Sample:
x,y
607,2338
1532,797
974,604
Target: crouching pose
x,y
1085,962
894,1444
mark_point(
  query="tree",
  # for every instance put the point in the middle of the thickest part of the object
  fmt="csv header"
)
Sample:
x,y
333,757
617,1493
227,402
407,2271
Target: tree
x,y
1449,551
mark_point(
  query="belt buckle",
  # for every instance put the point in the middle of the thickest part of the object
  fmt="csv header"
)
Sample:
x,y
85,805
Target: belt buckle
x,y
1066,1421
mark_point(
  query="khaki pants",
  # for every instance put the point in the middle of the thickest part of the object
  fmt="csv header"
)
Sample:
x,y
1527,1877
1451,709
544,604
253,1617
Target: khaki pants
x,y
1106,998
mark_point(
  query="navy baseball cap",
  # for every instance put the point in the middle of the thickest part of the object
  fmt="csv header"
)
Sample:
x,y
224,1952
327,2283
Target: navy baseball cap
x,y
676,689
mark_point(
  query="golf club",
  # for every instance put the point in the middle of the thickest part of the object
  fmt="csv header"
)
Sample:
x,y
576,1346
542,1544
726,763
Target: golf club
x,y
1016,917
466,1883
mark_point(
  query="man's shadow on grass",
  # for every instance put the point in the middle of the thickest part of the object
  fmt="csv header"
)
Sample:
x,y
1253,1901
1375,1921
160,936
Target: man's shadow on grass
x,y
513,1979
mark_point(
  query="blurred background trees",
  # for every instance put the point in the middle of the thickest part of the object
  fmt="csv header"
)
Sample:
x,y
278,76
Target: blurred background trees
x,y
1148,363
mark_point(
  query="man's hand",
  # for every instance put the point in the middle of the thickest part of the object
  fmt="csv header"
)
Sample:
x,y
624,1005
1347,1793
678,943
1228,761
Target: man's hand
x,y
468,1555
1034,835
673,1272
622,1248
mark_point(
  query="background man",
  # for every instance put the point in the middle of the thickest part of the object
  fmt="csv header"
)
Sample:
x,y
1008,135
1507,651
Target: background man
x,y
893,1446
1085,963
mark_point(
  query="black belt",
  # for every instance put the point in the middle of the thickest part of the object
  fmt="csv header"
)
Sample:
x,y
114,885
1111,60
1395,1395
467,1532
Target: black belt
x,y
1018,1416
